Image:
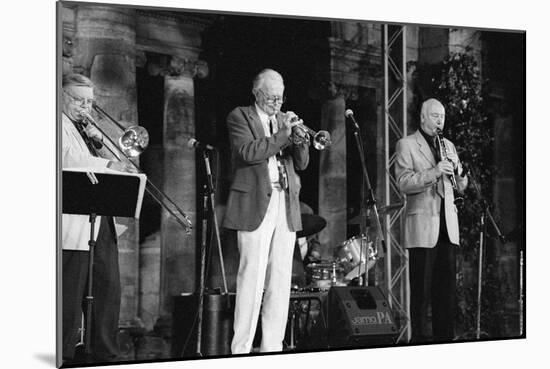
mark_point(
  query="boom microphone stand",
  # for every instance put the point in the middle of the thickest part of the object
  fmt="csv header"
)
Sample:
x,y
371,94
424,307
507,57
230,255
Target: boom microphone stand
x,y
371,202
486,213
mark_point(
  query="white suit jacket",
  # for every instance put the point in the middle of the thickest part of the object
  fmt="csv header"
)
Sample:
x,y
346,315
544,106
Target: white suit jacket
x,y
76,228
416,177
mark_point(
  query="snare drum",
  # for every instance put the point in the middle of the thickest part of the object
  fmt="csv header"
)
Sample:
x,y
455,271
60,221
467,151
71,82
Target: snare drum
x,y
325,274
354,254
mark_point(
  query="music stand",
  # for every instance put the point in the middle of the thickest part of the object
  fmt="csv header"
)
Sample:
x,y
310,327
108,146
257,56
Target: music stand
x,y
96,192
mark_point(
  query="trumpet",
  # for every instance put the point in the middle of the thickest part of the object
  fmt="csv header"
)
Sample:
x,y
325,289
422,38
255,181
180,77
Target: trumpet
x,y
301,134
133,141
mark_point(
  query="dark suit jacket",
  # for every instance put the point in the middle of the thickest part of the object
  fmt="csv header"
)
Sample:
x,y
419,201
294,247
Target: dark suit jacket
x,y
250,190
416,176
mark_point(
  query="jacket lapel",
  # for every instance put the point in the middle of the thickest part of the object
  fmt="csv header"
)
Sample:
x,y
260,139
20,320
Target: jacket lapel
x,y
255,123
424,148
74,134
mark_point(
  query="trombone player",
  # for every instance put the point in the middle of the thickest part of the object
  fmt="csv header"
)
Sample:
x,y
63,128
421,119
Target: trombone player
x,y
264,209
81,144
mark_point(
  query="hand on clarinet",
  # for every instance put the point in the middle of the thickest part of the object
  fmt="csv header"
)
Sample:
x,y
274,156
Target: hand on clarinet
x,y
444,167
453,157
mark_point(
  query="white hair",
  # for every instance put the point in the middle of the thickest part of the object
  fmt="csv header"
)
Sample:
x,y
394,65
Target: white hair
x,y
425,104
264,76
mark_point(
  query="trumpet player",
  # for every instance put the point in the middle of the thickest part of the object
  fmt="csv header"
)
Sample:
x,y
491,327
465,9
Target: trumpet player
x,y
431,225
264,209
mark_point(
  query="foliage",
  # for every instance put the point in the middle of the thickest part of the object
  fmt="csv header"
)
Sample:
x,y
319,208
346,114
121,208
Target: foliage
x,y
456,82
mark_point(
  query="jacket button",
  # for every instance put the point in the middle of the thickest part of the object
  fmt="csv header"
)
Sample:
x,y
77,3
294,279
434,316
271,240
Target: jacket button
x,y
269,194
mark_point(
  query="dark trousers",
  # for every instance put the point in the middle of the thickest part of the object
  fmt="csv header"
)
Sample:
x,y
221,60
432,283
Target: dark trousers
x,y
432,276
105,290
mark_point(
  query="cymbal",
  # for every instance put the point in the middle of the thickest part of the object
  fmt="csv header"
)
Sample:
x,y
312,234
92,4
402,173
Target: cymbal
x,y
311,224
357,220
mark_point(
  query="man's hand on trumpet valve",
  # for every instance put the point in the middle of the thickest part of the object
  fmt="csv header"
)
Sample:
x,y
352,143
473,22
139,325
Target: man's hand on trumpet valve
x,y
122,166
290,120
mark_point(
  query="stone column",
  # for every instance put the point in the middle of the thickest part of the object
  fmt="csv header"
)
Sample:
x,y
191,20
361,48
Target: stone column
x,y
178,250
105,44
354,67
332,175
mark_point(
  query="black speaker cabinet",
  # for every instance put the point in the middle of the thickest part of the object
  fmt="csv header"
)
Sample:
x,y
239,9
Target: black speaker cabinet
x,y
217,329
359,317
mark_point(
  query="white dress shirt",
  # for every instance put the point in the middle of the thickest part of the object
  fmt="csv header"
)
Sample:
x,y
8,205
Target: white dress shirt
x,y
272,161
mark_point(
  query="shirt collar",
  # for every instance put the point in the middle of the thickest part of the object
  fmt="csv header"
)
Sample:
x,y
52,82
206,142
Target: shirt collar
x,y
264,118
429,139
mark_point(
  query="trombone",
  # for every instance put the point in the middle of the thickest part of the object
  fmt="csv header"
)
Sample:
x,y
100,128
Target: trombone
x,y
131,144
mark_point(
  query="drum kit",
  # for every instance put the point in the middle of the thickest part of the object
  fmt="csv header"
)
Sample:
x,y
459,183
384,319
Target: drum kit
x,y
351,259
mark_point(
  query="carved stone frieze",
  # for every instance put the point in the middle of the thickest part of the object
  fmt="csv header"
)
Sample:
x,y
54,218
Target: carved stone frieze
x,y
355,65
176,66
171,33
348,92
179,66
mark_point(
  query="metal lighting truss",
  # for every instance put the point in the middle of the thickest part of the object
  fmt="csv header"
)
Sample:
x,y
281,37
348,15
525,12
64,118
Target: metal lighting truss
x,y
395,127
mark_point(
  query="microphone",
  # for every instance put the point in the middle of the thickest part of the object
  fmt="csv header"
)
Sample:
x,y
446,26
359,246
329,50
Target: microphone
x,y
349,114
192,143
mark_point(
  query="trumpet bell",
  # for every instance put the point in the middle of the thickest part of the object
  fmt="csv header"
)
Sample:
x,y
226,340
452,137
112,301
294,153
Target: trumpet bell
x,y
321,140
134,141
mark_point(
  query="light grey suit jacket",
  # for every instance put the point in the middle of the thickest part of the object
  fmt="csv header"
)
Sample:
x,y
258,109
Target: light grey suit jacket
x,y
416,177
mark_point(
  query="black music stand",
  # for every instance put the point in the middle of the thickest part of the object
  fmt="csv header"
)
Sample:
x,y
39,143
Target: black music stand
x,y
109,193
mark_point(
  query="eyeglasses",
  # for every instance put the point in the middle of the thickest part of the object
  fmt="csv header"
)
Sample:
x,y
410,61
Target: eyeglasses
x,y
82,101
273,99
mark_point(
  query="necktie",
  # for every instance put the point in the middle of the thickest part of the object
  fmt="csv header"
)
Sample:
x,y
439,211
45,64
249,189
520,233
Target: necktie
x,y
80,128
283,179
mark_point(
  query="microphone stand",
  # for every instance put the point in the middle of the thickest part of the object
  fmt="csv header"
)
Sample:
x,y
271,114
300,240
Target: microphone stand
x,y
486,213
208,194
521,307
370,200
89,295
202,272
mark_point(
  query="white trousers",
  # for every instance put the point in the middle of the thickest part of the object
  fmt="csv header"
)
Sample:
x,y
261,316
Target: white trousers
x,y
265,262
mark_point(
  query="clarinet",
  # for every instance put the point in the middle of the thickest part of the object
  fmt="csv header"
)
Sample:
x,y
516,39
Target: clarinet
x,y
459,200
